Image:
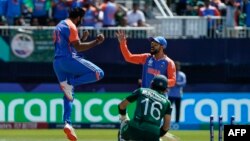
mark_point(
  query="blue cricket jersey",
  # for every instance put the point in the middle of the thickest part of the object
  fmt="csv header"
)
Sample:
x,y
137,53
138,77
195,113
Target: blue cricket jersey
x,y
64,33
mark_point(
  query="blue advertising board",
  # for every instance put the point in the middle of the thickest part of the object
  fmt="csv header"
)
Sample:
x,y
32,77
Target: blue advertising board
x,y
198,107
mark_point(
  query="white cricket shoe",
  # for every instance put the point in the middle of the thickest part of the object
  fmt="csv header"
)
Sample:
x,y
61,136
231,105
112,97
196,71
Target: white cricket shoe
x,y
67,89
70,132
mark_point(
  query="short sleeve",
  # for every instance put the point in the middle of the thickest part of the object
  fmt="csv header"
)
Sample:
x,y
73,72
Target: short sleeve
x,y
133,97
73,32
73,36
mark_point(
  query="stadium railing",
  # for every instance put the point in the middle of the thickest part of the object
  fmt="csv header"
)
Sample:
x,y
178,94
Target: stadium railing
x,y
178,27
197,27
109,32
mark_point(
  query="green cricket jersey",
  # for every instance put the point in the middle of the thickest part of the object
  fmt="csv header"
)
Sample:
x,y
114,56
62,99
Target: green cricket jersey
x,y
151,107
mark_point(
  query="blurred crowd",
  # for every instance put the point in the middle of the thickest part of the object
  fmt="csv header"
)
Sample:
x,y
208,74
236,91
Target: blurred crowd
x,y
235,11
99,13
108,13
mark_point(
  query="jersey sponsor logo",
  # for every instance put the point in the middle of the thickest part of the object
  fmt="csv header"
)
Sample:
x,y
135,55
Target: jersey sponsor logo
x,y
153,71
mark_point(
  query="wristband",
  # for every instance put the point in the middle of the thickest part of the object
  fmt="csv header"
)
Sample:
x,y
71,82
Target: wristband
x,y
162,131
121,112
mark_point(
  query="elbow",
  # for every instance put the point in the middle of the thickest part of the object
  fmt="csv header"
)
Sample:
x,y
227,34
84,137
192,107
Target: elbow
x,y
76,45
130,59
127,60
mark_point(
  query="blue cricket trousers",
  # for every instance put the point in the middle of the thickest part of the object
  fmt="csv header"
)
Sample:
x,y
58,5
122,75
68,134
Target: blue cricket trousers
x,y
76,71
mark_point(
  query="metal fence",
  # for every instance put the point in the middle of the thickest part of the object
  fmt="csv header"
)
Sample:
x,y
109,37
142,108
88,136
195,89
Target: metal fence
x,y
131,32
197,27
179,27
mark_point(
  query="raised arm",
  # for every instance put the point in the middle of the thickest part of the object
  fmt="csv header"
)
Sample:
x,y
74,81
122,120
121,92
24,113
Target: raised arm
x,y
128,56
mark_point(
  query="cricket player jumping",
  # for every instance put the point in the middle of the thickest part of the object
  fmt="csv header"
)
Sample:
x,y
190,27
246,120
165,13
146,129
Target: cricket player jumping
x,y
70,68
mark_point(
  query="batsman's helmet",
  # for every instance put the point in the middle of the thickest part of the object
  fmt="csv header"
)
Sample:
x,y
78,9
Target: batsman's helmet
x,y
159,83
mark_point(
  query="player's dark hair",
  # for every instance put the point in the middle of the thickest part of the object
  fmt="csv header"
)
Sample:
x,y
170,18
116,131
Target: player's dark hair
x,y
76,12
158,88
159,83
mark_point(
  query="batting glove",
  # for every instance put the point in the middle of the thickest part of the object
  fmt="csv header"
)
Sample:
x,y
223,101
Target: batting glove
x,y
123,117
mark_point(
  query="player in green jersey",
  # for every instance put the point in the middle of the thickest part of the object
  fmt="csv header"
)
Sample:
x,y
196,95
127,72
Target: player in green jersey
x,y
151,107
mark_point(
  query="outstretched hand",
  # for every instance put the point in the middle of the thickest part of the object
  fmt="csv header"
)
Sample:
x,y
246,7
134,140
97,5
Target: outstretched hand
x,y
100,38
121,36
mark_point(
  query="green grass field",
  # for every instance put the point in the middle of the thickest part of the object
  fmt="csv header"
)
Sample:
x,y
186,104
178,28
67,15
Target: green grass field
x,y
90,135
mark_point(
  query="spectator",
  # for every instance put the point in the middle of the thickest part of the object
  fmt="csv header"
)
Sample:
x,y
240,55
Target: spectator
x,y
191,8
248,14
59,10
244,12
19,21
39,10
26,11
207,11
181,7
34,22
3,7
220,6
91,15
140,23
123,22
76,3
175,93
200,4
231,17
2,20
109,8
14,11
147,11
135,15
51,22
120,15
241,21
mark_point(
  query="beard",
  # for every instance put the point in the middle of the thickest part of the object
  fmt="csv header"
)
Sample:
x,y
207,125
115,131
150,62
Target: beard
x,y
78,23
154,51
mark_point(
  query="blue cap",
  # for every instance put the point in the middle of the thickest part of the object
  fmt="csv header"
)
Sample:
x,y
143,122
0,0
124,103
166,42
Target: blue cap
x,y
159,39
